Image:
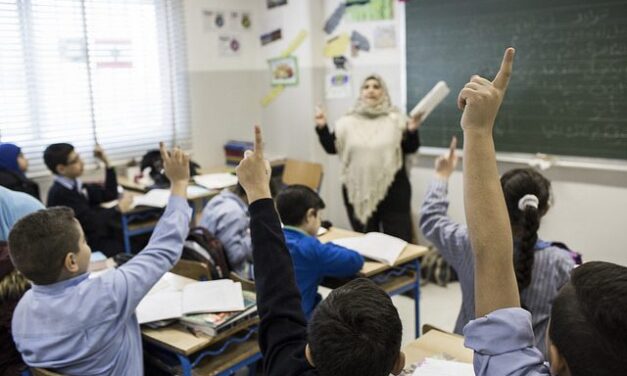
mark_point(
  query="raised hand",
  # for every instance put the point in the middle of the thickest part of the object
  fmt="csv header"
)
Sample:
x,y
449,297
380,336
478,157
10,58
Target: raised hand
x,y
480,99
320,118
445,164
100,154
414,122
176,167
253,172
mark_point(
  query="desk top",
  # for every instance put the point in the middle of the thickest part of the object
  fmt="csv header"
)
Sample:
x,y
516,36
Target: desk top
x,y
178,339
435,343
370,268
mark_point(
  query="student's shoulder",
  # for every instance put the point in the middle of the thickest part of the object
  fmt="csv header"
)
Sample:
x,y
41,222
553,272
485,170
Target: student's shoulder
x,y
556,256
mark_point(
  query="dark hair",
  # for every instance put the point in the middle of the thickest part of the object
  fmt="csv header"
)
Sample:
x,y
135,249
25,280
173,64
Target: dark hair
x,y
356,330
293,201
516,184
39,242
589,320
57,154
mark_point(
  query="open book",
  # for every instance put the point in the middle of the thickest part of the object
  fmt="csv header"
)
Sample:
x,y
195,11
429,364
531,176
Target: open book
x,y
216,181
158,197
375,245
430,101
172,298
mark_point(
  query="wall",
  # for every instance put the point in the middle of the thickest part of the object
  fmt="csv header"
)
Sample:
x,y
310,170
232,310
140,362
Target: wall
x,y
590,209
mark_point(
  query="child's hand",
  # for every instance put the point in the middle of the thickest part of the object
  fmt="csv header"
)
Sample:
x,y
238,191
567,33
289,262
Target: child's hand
x,y
445,164
100,154
480,99
320,118
176,166
253,172
414,122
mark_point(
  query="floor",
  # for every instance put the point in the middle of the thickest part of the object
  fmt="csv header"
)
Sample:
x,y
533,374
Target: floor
x,y
439,307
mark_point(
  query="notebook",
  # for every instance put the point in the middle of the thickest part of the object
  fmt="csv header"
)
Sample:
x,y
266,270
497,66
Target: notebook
x,y
216,181
430,101
168,300
439,367
375,245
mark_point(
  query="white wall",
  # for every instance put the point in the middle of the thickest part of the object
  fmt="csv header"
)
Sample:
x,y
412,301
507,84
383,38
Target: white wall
x,y
590,211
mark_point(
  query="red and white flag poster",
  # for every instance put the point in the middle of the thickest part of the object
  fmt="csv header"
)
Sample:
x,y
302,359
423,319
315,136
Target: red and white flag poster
x,y
112,53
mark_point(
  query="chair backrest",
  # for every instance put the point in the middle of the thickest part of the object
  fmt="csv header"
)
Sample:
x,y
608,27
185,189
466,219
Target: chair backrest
x,y
43,372
192,269
301,172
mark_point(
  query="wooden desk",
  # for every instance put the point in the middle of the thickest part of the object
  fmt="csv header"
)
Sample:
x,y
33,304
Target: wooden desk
x,y
221,355
401,277
143,219
436,343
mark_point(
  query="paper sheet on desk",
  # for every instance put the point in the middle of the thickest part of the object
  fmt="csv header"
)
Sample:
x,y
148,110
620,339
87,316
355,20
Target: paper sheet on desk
x,y
430,101
438,367
216,181
158,198
375,245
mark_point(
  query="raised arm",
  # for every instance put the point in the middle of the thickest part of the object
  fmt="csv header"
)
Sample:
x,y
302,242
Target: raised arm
x,y
486,213
326,138
282,331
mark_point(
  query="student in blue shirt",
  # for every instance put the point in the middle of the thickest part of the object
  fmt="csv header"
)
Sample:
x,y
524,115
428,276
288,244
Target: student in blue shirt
x,y
587,333
77,325
299,208
226,217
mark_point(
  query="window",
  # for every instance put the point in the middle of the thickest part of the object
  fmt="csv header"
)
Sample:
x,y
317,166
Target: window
x,y
87,71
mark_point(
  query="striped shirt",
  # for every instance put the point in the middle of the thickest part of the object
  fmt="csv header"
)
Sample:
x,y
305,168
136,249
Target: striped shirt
x,y
551,267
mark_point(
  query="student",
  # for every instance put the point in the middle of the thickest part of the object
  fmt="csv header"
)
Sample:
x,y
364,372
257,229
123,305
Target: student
x,y
13,165
541,269
84,199
13,206
77,325
355,331
299,208
588,329
226,217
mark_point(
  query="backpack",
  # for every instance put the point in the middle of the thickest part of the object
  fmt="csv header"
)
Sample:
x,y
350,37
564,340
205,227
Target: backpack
x,y
433,268
201,245
152,160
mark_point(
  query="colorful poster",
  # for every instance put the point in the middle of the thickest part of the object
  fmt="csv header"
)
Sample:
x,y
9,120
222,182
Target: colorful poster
x,y
385,36
270,37
338,85
374,10
213,20
284,70
229,46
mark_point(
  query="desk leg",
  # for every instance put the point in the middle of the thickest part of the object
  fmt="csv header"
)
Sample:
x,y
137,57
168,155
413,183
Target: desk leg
x,y
417,297
125,234
186,365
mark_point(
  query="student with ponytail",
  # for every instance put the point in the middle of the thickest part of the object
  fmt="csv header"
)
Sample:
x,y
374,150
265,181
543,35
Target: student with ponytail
x,y
541,268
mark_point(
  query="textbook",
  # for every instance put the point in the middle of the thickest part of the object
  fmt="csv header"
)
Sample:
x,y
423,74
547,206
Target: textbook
x,y
430,101
375,245
440,367
212,324
171,301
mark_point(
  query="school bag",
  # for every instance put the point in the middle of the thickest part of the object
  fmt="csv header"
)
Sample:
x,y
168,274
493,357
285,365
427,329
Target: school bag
x,y
152,161
201,245
433,268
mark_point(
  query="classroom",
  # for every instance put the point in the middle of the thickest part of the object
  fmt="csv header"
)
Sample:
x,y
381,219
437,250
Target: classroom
x,y
321,83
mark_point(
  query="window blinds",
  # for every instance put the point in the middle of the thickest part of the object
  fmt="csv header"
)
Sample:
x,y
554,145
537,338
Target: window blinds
x,y
87,71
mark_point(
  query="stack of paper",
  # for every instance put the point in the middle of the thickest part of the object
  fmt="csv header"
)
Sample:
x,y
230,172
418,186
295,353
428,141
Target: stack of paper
x,y
216,181
430,101
169,301
375,245
438,367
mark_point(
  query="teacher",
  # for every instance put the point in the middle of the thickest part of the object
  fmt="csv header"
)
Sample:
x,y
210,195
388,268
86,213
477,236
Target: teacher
x,y
371,141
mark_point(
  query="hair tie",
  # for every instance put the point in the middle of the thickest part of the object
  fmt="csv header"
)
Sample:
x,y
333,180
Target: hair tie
x,y
528,200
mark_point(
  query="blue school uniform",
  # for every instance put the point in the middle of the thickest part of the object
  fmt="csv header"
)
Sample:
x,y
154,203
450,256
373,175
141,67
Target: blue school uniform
x,y
314,260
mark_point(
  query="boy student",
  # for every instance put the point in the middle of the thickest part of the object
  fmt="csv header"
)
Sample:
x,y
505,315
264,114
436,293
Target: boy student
x,y
355,331
81,326
587,333
299,208
85,199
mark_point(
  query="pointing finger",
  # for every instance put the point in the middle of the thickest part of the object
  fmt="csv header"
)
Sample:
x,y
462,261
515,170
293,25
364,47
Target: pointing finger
x,y
451,151
165,157
258,142
502,77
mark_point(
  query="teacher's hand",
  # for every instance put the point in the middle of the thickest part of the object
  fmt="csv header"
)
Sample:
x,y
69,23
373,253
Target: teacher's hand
x,y
320,118
414,122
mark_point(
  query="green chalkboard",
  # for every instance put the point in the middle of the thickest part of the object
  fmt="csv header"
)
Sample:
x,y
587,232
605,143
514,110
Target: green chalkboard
x,y
568,93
